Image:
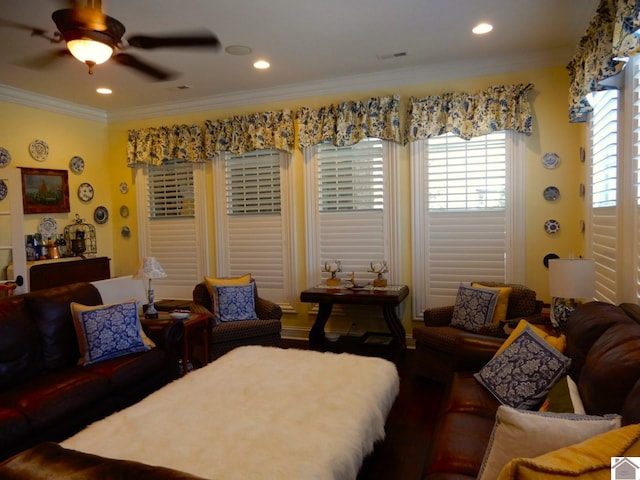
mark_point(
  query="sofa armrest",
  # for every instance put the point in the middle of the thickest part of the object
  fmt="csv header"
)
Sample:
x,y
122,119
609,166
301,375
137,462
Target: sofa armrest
x,y
50,460
166,333
439,316
472,352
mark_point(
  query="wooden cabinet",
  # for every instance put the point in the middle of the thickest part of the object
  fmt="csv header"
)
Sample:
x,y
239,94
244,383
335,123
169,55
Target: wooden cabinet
x,y
53,273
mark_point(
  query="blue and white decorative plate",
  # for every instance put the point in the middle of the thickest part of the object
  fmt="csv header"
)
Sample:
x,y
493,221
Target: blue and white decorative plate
x,y
552,226
5,157
101,215
39,150
551,160
551,194
4,190
76,164
48,228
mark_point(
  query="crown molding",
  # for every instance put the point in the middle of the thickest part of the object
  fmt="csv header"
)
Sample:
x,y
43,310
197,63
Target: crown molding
x,y
44,102
436,72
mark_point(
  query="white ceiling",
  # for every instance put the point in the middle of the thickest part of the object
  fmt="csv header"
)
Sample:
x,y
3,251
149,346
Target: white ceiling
x,y
306,42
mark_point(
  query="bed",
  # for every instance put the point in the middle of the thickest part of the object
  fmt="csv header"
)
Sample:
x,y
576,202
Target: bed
x,y
256,413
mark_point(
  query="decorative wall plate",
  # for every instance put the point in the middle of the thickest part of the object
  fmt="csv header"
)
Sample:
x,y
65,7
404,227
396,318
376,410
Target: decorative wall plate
x,y
551,194
39,150
549,256
101,215
5,157
551,160
552,226
85,192
124,211
4,190
76,164
124,188
48,228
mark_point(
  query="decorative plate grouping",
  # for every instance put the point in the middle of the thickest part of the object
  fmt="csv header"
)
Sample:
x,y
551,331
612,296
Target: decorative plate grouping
x,y
39,150
124,188
5,157
124,211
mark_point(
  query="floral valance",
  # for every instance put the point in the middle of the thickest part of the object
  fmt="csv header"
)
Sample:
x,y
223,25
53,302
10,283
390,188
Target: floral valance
x,y
246,133
156,145
470,115
594,61
349,122
627,22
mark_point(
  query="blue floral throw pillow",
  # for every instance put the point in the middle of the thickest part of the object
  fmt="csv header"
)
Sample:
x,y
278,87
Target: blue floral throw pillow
x,y
107,331
474,307
523,374
234,302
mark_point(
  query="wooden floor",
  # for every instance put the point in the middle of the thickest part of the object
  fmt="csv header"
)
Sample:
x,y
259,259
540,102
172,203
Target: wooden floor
x,y
409,427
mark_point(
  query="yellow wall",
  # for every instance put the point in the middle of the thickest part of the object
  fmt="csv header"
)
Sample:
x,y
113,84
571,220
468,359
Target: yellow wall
x,y
67,136
104,151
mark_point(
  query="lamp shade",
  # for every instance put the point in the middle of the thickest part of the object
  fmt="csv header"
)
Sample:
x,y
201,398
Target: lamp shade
x,y
151,268
572,278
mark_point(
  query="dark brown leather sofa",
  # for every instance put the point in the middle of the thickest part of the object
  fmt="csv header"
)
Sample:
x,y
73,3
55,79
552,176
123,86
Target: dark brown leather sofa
x,y
603,342
44,394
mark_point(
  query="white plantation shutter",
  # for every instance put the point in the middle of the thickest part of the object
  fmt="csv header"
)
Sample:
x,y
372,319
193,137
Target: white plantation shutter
x,y
350,204
634,295
172,226
464,213
253,221
604,204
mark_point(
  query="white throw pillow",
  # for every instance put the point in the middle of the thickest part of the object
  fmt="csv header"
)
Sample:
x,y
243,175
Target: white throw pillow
x,y
526,433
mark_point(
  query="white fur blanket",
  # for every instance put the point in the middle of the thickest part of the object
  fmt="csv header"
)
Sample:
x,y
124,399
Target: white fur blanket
x,y
257,413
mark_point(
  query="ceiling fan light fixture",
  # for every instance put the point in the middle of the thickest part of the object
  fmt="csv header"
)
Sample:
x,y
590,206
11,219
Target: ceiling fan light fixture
x,y
90,51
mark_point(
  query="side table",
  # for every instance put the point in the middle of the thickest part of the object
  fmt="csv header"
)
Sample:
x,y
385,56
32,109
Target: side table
x,y
197,329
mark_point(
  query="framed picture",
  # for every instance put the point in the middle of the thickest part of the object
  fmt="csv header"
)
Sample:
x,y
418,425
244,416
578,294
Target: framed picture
x,y
45,191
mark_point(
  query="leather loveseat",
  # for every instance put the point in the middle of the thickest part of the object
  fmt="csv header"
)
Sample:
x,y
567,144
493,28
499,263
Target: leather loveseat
x,y
603,343
44,394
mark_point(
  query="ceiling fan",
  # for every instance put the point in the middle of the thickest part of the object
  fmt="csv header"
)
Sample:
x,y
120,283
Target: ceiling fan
x,y
93,37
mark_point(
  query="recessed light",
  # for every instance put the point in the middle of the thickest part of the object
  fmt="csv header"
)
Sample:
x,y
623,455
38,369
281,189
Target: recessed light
x,y
104,91
261,64
482,28
238,50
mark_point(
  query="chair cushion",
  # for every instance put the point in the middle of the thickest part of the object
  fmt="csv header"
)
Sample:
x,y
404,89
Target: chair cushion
x,y
234,302
107,331
211,282
474,307
522,374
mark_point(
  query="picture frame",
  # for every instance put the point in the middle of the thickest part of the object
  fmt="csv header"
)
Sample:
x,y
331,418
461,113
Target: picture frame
x,y
45,190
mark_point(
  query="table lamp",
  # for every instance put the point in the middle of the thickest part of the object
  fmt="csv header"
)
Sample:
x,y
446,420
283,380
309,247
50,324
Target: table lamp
x,y
569,279
151,269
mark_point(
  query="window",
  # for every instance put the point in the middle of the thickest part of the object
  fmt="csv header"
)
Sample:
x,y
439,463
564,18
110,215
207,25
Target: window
x,y
465,215
254,228
173,224
350,201
603,134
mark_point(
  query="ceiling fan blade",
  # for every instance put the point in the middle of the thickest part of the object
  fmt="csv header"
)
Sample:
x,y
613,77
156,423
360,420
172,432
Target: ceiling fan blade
x,y
43,61
143,67
203,39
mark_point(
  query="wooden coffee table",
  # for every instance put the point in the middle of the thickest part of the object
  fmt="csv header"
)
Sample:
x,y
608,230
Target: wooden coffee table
x,y
387,299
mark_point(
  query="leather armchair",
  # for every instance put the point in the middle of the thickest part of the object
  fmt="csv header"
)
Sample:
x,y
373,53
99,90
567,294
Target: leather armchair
x,y
228,335
436,338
